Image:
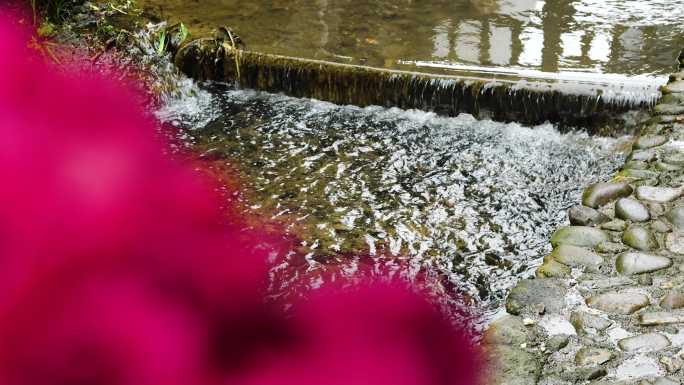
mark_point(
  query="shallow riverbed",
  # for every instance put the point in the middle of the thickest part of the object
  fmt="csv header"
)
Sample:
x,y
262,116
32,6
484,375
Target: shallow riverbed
x,y
474,200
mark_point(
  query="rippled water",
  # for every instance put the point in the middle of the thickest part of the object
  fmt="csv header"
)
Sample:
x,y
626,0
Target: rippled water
x,y
595,36
474,200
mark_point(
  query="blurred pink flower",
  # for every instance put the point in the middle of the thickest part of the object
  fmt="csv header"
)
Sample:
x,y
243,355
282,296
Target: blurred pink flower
x,y
372,334
116,266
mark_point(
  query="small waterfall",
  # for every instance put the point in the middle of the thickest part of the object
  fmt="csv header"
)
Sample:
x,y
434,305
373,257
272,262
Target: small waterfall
x,y
579,103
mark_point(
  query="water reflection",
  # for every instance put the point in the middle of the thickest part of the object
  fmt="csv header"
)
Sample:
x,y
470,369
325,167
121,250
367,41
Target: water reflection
x,y
606,36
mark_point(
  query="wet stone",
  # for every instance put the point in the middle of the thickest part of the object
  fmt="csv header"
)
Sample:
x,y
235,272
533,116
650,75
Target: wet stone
x,y
649,182
662,166
611,247
578,236
669,109
632,210
650,141
639,174
588,323
674,242
619,303
631,263
662,318
507,330
676,87
651,342
575,256
640,238
536,296
598,282
592,357
676,217
635,165
660,227
586,216
557,342
515,366
658,194
656,209
553,269
600,194
668,118
672,99
673,300
643,156
615,225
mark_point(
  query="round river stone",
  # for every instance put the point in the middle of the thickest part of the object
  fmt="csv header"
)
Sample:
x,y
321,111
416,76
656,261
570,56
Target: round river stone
x,y
676,87
650,141
662,166
639,174
632,210
575,256
586,216
619,303
553,269
675,243
587,323
651,342
615,225
507,330
635,165
631,263
592,356
578,236
536,296
514,366
676,217
642,156
640,238
658,194
662,318
673,300
669,109
599,194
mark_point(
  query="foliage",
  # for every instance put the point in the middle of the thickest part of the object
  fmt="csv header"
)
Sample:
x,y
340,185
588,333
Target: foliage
x,y
53,10
170,38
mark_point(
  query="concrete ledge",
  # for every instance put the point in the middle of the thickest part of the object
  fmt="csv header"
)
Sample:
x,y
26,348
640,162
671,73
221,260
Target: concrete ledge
x,y
573,104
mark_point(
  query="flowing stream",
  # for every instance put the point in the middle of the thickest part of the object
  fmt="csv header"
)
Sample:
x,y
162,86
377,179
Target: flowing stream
x,y
474,201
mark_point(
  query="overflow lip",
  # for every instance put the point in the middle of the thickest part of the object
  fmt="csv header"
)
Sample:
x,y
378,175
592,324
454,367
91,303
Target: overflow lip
x,y
582,104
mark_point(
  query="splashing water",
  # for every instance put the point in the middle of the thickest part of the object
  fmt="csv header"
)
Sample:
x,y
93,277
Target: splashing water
x,y
474,200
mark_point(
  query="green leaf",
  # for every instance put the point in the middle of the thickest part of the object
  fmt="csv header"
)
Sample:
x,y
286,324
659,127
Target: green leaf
x,y
184,32
161,47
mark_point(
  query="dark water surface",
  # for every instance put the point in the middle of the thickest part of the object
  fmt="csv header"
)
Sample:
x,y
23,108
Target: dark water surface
x,y
473,200
632,37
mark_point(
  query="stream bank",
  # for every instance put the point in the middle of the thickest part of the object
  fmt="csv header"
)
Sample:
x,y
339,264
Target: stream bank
x,y
607,305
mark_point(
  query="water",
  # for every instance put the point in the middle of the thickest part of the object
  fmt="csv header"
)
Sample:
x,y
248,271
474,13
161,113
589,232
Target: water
x,y
474,201
629,37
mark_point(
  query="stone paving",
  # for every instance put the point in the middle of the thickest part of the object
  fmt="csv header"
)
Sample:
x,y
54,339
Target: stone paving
x,y
607,305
